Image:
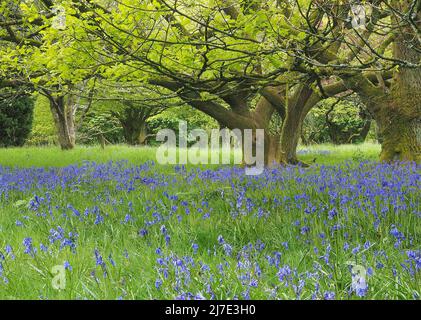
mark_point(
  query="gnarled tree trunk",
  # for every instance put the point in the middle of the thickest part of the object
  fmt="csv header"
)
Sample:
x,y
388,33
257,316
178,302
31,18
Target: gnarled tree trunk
x,y
399,120
399,135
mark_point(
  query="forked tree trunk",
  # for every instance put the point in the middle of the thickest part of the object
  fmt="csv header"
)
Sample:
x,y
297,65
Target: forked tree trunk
x,y
362,136
62,109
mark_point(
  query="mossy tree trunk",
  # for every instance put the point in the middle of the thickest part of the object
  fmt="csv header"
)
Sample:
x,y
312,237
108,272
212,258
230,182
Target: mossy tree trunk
x,y
399,135
399,120
397,110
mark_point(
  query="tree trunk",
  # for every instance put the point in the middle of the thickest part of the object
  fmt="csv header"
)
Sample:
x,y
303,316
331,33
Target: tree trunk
x,y
272,150
291,127
63,115
399,120
289,138
362,136
399,135
143,135
134,130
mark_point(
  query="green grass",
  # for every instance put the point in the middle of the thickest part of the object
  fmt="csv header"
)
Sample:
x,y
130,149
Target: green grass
x,y
54,157
243,210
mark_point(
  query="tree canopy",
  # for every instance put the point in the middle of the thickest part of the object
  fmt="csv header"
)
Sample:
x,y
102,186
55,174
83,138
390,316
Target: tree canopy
x,y
244,63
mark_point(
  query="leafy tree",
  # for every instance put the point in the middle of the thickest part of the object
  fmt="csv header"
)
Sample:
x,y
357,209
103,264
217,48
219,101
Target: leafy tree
x,y
220,58
245,63
379,59
32,56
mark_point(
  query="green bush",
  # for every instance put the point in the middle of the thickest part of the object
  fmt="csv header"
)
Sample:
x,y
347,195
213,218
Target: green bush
x,y
97,124
170,119
43,129
16,115
337,123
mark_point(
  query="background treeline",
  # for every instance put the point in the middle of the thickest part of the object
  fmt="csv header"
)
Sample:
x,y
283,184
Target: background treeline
x,y
329,122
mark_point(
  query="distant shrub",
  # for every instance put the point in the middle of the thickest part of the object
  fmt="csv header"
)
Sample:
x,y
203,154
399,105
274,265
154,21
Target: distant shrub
x,y
170,119
341,123
97,124
16,115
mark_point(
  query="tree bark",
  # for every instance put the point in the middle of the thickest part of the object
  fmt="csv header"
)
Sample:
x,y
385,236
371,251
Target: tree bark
x,y
291,127
132,131
362,135
143,135
62,109
289,137
399,135
133,122
272,150
399,120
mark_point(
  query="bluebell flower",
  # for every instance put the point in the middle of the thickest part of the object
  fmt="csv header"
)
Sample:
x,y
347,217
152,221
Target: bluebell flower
x,y
332,213
9,251
356,250
329,295
127,218
110,258
367,245
67,265
167,240
43,248
99,260
305,229
195,247
284,272
221,239
158,283
163,229
27,243
227,249
143,232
